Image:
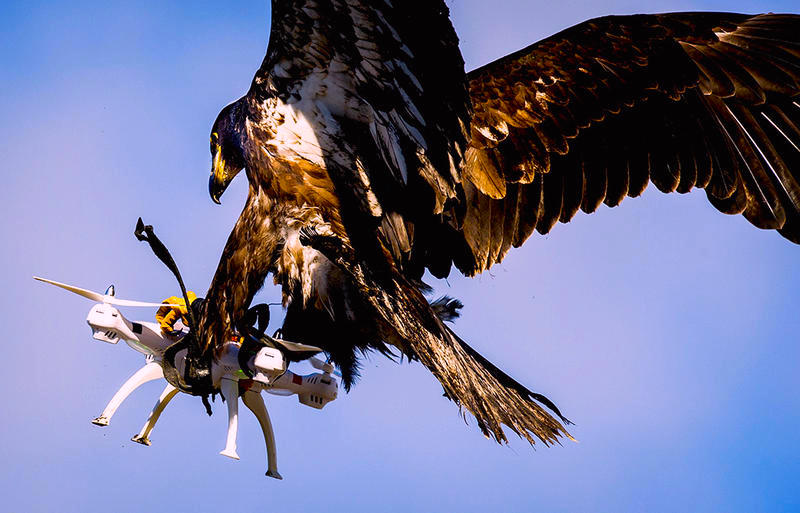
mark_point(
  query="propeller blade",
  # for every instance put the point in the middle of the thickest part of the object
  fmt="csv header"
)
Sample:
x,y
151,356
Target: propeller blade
x,y
128,302
324,366
100,298
279,391
88,294
297,347
317,363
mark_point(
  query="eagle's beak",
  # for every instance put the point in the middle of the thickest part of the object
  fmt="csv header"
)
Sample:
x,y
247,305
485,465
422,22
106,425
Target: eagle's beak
x,y
215,188
219,179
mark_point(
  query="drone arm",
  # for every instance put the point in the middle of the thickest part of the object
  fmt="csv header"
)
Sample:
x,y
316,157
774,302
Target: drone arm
x,y
255,403
230,391
125,328
147,373
143,437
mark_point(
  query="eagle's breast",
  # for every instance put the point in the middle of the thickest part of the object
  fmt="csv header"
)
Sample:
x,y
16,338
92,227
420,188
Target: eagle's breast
x,y
304,273
293,138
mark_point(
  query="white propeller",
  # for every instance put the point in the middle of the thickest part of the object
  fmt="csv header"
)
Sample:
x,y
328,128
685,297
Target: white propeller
x,y
297,347
101,298
326,367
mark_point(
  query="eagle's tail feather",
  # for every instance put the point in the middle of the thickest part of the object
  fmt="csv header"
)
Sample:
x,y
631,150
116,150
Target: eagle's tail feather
x,y
489,394
509,382
406,320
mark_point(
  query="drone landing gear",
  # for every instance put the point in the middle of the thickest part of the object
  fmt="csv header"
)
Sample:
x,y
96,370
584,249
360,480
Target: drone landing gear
x,y
255,403
149,372
230,391
143,437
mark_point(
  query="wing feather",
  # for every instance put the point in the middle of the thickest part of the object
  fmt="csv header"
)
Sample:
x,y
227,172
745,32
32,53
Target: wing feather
x,y
574,188
598,111
553,201
594,169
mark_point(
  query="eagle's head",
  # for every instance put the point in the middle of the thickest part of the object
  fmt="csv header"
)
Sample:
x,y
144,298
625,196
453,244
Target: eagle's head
x,y
227,155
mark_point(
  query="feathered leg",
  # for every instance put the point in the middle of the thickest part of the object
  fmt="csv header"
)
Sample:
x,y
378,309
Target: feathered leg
x,y
250,252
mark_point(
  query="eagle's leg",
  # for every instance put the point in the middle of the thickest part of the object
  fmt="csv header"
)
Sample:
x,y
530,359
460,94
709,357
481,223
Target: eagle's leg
x,y
149,372
255,403
329,245
335,249
249,255
143,437
230,391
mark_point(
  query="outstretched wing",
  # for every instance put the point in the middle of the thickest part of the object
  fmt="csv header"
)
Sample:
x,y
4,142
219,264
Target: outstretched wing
x,y
596,112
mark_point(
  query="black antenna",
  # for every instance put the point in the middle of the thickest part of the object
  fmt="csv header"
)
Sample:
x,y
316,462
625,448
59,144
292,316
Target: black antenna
x,y
197,370
145,233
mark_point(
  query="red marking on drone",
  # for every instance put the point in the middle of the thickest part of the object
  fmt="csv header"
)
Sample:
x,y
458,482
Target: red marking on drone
x,y
297,380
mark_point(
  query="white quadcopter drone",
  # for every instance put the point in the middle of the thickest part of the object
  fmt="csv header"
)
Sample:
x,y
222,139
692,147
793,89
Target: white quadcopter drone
x,y
268,368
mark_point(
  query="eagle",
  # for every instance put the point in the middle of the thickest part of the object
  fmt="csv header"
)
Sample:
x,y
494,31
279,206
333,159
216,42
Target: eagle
x,y
373,157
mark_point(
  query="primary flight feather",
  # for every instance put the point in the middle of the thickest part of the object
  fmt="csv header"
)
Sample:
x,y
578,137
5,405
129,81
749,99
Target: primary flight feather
x,y
372,156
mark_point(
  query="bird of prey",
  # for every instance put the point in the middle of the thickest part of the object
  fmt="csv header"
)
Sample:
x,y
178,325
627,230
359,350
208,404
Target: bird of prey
x,y
372,156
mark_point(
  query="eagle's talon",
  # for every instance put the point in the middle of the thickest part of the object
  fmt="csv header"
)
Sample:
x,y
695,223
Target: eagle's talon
x,y
331,246
307,235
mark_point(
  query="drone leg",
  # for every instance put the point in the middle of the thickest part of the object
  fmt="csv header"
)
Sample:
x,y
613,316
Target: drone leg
x,y
143,437
255,403
147,373
230,390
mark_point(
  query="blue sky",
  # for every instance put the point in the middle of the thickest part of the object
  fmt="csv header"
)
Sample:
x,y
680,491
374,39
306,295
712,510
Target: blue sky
x,y
666,331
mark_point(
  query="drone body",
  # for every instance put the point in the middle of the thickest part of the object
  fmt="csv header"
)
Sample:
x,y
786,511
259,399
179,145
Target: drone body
x,y
268,369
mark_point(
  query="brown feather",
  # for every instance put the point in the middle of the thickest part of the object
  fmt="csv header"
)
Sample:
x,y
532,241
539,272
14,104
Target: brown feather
x,y
616,102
